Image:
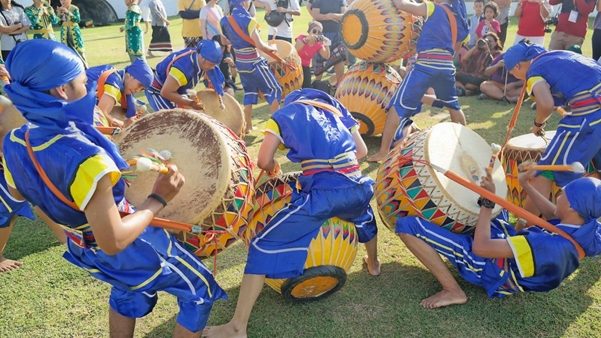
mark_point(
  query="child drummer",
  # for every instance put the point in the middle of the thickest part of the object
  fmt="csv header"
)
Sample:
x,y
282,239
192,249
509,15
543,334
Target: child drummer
x,y
316,137
82,188
502,260
433,68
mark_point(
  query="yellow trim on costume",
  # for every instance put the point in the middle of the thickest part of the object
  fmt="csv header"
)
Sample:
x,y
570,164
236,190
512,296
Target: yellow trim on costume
x,y
272,127
560,149
7,175
354,128
252,25
42,146
197,273
113,92
430,6
179,76
87,176
144,283
532,81
522,253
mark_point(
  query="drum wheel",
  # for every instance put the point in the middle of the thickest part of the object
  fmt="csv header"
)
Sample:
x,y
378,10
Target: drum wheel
x,y
316,283
366,126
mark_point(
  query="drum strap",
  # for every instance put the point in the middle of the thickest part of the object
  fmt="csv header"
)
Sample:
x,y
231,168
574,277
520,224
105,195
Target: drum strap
x,y
102,81
248,39
453,22
322,105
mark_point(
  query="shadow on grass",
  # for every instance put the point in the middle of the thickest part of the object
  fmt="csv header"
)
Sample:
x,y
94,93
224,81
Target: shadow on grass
x,y
388,306
29,237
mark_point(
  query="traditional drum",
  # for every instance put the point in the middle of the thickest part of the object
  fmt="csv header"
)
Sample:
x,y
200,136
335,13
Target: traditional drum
x,y
217,196
375,31
331,253
406,186
232,116
528,148
365,90
288,73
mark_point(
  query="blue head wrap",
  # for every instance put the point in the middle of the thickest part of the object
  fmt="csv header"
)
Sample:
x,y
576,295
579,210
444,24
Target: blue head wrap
x,y
584,195
521,52
211,51
234,3
141,71
39,65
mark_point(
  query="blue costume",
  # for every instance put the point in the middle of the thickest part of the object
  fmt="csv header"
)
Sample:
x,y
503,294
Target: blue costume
x,y
184,68
252,68
9,206
113,85
331,185
578,78
434,65
75,156
542,259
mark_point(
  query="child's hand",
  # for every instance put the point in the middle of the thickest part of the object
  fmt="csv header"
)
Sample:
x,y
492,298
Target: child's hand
x,y
487,182
524,174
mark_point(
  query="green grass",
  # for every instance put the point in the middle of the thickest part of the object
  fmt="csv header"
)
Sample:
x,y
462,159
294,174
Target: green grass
x,y
48,297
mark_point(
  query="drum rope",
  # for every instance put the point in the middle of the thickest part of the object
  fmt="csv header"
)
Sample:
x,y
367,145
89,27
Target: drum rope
x,y
211,236
517,211
514,118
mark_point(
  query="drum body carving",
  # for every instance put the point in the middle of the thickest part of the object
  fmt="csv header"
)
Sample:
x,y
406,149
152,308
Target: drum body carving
x,y
288,73
330,255
232,116
528,148
365,90
218,192
376,31
407,187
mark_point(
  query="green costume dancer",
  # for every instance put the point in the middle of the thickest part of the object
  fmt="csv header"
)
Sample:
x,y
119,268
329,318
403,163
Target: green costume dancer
x,y
70,32
42,18
134,37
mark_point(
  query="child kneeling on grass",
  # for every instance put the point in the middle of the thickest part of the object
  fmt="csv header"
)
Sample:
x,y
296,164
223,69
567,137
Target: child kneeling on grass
x,y
502,260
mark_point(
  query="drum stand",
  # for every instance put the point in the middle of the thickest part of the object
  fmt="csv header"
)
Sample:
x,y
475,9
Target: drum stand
x,y
504,98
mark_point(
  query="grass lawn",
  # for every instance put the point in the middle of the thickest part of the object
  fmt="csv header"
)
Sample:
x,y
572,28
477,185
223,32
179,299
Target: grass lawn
x,y
48,297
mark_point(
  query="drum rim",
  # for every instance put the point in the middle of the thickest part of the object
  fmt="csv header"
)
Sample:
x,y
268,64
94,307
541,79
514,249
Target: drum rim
x,y
279,43
512,146
227,100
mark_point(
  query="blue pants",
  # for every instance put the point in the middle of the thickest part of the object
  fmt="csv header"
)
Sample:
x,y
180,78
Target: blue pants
x,y
280,249
492,274
9,207
154,262
256,77
156,100
578,139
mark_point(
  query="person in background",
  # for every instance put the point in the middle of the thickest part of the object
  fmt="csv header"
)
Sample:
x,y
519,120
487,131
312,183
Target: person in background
x,y
503,18
227,67
210,16
596,39
289,8
161,39
42,18
501,84
70,31
13,26
572,23
489,24
189,11
134,38
146,18
474,21
532,15
309,45
474,64
329,13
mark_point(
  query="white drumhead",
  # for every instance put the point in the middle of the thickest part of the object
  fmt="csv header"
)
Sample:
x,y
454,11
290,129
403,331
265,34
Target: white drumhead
x,y
530,141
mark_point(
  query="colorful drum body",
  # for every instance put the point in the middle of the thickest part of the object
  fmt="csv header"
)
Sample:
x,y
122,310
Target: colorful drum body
x,y
331,253
529,148
289,73
232,116
406,186
376,31
217,196
365,90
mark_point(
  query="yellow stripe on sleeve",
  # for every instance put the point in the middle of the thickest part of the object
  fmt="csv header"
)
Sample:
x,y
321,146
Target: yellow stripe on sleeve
x,y
252,25
88,174
113,92
272,127
179,76
430,6
7,175
532,81
522,253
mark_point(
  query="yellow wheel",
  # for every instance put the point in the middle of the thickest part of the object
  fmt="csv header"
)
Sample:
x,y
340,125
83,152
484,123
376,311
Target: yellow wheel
x,y
315,283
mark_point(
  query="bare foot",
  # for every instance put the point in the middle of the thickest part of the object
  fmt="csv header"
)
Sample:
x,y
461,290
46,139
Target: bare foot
x,y
8,264
223,331
372,266
250,130
444,298
379,157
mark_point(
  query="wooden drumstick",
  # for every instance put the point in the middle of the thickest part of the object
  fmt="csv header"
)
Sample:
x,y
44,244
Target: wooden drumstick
x,y
144,164
5,79
275,31
221,104
192,94
562,111
495,148
576,167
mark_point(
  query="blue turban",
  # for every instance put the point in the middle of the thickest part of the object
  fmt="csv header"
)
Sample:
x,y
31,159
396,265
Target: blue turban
x,y
141,71
584,195
521,52
211,51
237,2
39,65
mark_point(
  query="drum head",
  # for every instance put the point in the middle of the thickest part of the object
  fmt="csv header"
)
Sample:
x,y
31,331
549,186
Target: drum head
x,y
285,48
198,150
10,118
232,116
531,141
118,113
462,151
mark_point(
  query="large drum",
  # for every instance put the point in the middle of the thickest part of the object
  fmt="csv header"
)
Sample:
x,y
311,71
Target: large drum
x,y
331,253
232,116
288,73
412,188
365,90
217,196
375,31
528,148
